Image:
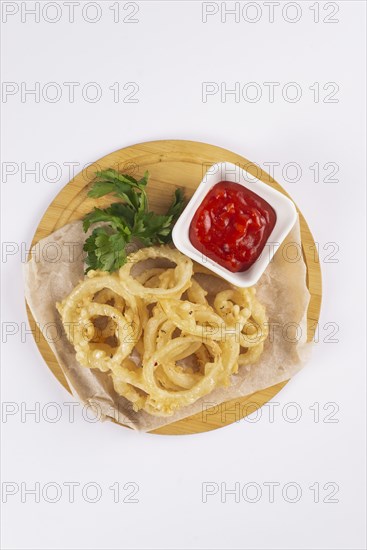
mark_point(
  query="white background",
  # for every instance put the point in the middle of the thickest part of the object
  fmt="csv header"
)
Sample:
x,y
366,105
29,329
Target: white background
x,y
169,53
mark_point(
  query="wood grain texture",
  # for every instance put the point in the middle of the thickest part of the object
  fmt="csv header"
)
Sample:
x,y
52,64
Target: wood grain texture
x,y
172,164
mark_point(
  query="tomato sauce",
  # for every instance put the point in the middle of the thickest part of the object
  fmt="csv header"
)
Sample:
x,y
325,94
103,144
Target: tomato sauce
x,y
232,225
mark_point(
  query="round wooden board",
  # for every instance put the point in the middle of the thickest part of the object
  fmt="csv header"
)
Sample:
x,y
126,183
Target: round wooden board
x,y
172,164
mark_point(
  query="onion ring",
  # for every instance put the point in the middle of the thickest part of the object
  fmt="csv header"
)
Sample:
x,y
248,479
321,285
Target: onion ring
x,y
182,273
162,351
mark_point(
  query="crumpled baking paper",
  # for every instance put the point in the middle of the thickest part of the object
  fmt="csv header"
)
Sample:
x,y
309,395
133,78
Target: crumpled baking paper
x,y
57,265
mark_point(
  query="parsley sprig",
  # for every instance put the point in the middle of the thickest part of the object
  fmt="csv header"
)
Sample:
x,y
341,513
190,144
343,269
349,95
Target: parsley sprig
x,y
123,221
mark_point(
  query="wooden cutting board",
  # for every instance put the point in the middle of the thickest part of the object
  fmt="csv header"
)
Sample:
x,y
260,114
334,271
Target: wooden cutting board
x,y
172,164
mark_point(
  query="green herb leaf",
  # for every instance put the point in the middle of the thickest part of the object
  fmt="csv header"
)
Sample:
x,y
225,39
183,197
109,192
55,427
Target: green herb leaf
x,y
174,211
123,211
106,246
123,186
107,215
105,251
150,228
177,206
144,180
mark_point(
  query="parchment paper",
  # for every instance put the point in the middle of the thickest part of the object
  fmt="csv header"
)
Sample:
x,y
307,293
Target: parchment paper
x,y
57,265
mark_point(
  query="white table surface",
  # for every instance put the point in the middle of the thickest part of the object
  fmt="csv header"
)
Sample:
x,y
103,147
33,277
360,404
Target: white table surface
x,y
169,53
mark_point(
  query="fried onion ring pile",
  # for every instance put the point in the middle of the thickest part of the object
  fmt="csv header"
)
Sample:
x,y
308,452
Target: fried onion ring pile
x,y
157,334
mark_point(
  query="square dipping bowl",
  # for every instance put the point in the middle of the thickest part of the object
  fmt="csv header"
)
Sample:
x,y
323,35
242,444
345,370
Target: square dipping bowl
x,y
286,216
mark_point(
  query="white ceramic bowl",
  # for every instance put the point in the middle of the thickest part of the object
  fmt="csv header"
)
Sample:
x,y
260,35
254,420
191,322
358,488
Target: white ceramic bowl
x,y
286,216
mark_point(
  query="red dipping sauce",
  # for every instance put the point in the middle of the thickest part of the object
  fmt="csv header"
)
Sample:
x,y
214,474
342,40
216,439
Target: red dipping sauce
x,y
232,225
